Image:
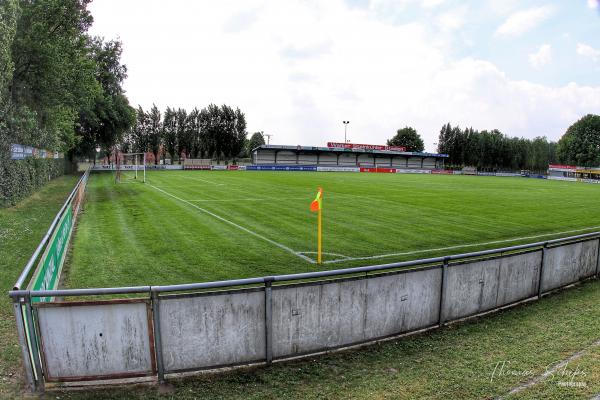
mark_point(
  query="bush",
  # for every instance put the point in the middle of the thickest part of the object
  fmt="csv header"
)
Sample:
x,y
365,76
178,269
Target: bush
x,y
20,178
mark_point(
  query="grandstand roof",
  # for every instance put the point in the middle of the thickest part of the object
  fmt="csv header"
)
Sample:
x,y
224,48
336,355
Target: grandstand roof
x,y
312,149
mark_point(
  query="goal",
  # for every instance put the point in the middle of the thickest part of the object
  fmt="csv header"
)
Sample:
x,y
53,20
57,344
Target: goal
x,y
130,167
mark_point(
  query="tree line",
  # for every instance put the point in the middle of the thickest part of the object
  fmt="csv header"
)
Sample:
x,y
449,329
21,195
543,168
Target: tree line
x,y
492,150
212,132
60,87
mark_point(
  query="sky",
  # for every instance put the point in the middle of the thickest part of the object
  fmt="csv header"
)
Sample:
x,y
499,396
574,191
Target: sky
x,y
297,69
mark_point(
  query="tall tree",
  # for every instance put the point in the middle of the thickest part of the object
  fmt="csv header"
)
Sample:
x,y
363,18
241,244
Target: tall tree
x,y
169,129
9,10
580,145
238,139
257,139
183,138
54,75
409,138
154,132
140,132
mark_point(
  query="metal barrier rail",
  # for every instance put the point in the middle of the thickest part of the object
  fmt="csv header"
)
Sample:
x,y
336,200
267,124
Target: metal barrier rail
x,y
22,303
294,277
27,270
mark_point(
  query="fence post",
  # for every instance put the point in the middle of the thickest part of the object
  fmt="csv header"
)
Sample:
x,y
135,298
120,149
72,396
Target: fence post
x,y
540,280
598,261
443,291
268,320
38,375
29,374
157,337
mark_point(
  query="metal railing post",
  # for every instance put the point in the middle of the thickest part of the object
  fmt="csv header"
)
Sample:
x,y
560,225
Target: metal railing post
x,y
268,320
34,349
541,277
443,291
157,337
29,373
598,261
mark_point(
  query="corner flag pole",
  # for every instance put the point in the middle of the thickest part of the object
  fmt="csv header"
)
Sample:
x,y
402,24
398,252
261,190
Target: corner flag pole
x,y
319,236
317,205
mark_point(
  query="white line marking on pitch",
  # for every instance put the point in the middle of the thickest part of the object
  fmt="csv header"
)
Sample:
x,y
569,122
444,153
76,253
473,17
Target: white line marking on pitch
x,y
281,246
247,199
457,246
205,180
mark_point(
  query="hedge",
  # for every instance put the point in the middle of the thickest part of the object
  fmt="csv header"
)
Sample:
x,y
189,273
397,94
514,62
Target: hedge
x,y
20,178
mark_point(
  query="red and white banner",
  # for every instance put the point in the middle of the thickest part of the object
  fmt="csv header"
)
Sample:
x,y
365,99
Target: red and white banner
x,y
358,146
384,170
560,166
442,171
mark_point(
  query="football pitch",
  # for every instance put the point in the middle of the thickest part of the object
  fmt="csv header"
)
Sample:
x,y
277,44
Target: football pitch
x,y
195,226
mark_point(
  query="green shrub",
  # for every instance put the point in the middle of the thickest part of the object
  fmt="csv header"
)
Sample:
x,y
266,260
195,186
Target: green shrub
x,y
20,178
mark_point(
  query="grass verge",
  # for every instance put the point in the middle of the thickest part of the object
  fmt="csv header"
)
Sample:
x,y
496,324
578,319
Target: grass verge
x,y
21,229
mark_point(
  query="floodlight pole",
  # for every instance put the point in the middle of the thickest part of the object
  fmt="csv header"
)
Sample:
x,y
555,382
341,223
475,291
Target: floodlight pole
x,y
345,130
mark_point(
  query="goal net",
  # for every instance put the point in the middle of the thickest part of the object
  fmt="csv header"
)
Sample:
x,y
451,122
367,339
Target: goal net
x,y
130,167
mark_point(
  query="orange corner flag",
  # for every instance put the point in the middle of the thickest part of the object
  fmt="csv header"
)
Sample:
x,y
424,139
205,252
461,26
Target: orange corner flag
x,y
316,204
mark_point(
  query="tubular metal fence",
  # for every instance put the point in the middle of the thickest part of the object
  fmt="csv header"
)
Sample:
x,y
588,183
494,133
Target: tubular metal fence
x,y
197,326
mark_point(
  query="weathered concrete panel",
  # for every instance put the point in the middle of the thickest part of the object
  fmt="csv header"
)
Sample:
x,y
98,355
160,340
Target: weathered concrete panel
x,y
212,330
95,340
519,277
401,303
328,315
483,285
471,288
567,264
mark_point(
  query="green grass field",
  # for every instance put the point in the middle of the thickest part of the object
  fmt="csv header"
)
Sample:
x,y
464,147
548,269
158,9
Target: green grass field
x,y
453,362
190,226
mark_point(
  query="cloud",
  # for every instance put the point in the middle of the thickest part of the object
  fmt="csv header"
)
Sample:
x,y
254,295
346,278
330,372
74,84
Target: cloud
x,y
431,3
541,57
502,7
522,21
300,68
593,4
307,51
452,20
588,51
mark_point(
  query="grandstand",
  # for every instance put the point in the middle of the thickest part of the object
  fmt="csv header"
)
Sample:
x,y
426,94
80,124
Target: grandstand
x,y
368,156
573,173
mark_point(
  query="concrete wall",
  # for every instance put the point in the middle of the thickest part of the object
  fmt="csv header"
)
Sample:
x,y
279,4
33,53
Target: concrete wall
x,y
481,286
95,340
567,264
308,318
211,330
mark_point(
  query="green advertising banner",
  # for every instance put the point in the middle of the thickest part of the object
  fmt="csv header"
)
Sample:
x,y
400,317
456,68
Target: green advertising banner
x,y
48,270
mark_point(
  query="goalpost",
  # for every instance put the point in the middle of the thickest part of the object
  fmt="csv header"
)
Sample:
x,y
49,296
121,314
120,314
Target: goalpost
x,y
130,167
